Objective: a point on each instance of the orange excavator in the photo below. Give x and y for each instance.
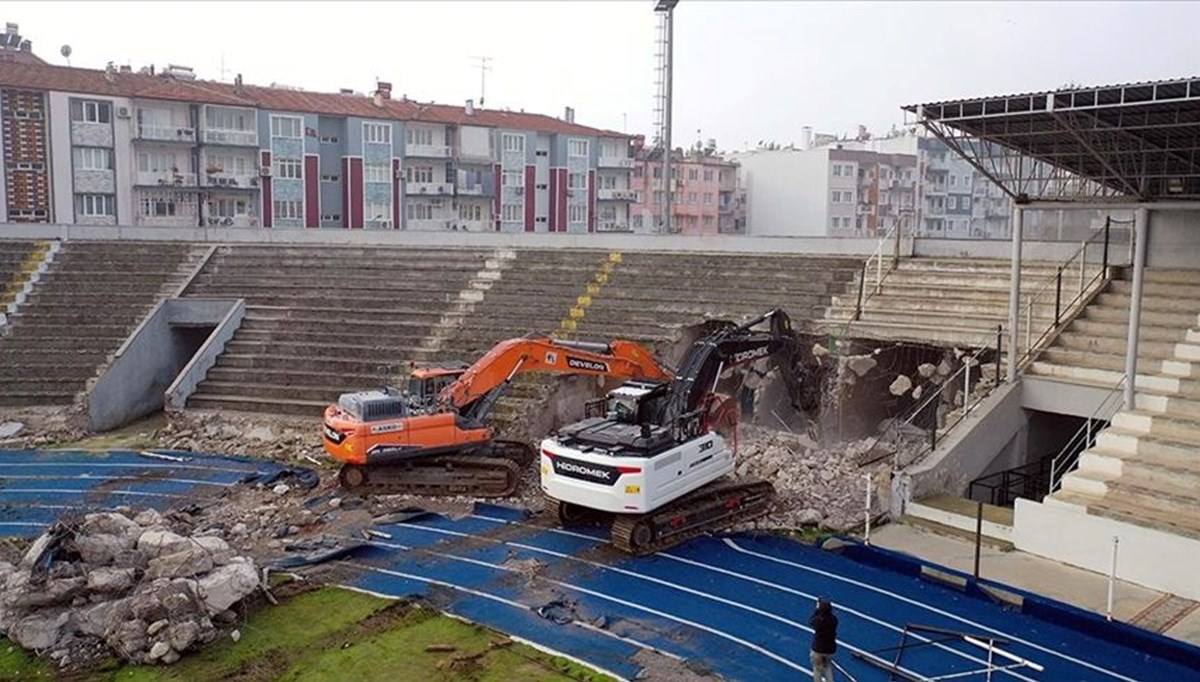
(436, 438)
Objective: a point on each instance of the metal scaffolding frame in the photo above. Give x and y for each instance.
(1136, 142)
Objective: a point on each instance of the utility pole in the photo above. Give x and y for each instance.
(667, 7)
(483, 69)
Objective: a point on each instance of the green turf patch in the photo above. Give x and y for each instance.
(16, 664)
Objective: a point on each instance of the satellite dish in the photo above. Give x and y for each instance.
(66, 51)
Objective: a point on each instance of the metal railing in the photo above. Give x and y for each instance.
(875, 264)
(927, 416)
(1089, 266)
(1068, 457)
(1003, 487)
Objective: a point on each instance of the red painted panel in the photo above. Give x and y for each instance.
(530, 182)
(268, 207)
(562, 199)
(396, 193)
(312, 191)
(496, 198)
(356, 193)
(591, 201)
(345, 191)
(553, 217)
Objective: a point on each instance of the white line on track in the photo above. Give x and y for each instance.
(932, 609)
(23, 524)
(53, 491)
(872, 588)
(126, 465)
(91, 477)
(616, 600)
(745, 607)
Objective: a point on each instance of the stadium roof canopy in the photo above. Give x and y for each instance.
(1136, 142)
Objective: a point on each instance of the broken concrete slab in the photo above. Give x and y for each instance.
(228, 584)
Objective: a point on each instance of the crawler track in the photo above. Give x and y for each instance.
(711, 508)
(495, 474)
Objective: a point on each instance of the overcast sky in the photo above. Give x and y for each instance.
(745, 71)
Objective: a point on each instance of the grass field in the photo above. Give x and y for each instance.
(334, 634)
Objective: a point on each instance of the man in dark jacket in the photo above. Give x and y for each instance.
(824, 643)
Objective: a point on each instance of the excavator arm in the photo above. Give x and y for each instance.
(475, 392)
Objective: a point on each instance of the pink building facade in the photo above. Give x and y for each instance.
(707, 197)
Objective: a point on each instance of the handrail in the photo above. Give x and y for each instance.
(969, 403)
(1088, 286)
(1064, 462)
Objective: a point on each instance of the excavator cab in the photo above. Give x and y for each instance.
(426, 383)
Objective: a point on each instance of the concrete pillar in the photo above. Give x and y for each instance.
(1141, 218)
(1014, 294)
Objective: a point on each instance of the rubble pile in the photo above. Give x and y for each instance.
(272, 436)
(125, 583)
(815, 486)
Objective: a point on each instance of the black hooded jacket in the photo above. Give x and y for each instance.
(824, 625)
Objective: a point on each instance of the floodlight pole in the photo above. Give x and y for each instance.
(668, 7)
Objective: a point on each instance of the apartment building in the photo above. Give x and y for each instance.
(166, 149)
(707, 197)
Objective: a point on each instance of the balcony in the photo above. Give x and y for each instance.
(429, 188)
(230, 137)
(478, 189)
(470, 225)
(232, 181)
(232, 221)
(428, 151)
(157, 133)
(612, 226)
(438, 224)
(164, 179)
(616, 195)
(614, 162)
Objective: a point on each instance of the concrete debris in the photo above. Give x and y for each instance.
(281, 489)
(900, 386)
(944, 368)
(235, 635)
(926, 369)
(11, 429)
(861, 364)
(819, 351)
(918, 392)
(138, 584)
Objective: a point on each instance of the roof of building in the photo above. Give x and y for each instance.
(40, 76)
(1136, 141)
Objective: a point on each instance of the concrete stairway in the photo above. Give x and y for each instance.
(1091, 350)
(81, 310)
(658, 294)
(324, 320)
(957, 301)
(17, 260)
(1145, 467)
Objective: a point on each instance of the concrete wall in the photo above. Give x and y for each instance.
(989, 439)
(1174, 239)
(147, 363)
(1148, 557)
(203, 360)
(787, 192)
(1061, 397)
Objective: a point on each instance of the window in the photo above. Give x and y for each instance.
(376, 172)
(657, 172)
(576, 181)
(837, 173)
(512, 179)
(708, 221)
(419, 173)
(708, 198)
(330, 178)
(331, 217)
(470, 212)
(378, 133)
(157, 207)
(837, 197)
(658, 197)
(286, 126)
(290, 169)
(93, 158)
(94, 205)
(953, 180)
(637, 222)
(377, 211)
(416, 211)
(226, 163)
(328, 139)
(512, 213)
(226, 119)
(289, 209)
(511, 142)
(638, 172)
(419, 136)
(227, 208)
(848, 196)
(708, 176)
(577, 213)
(157, 162)
(577, 147)
(691, 197)
(91, 111)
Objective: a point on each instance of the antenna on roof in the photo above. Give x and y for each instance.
(483, 69)
(65, 51)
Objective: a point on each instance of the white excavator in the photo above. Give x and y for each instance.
(652, 462)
